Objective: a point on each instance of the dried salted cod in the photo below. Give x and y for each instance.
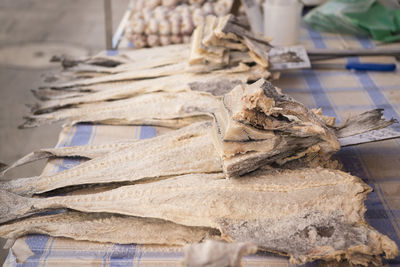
(140, 60)
(137, 58)
(167, 70)
(366, 121)
(173, 110)
(257, 125)
(105, 227)
(129, 75)
(213, 41)
(218, 254)
(307, 214)
(188, 150)
(215, 83)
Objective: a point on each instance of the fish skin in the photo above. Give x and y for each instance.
(188, 150)
(114, 228)
(252, 209)
(173, 110)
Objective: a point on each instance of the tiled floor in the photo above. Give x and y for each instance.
(78, 23)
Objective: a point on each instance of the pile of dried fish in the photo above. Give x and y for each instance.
(222, 55)
(174, 185)
(283, 194)
(220, 41)
(308, 214)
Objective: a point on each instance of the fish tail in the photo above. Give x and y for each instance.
(364, 122)
(3, 167)
(37, 155)
(13, 206)
(30, 122)
(20, 186)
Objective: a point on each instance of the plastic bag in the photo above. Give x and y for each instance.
(330, 17)
(356, 17)
(381, 22)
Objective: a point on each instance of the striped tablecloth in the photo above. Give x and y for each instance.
(338, 92)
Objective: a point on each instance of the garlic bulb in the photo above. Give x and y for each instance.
(164, 27)
(221, 9)
(153, 3)
(165, 40)
(170, 3)
(186, 25)
(184, 10)
(199, 2)
(153, 40)
(147, 14)
(138, 26)
(139, 40)
(176, 39)
(207, 9)
(186, 39)
(139, 5)
(152, 27)
(175, 21)
(136, 16)
(197, 17)
(160, 13)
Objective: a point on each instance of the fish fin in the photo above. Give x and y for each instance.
(13, 206)
(9, 243)
(39, 94)
(30, 122)
(3, 166)
(33, 156)
(364, 122)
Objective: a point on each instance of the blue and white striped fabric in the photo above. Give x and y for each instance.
(338, 92)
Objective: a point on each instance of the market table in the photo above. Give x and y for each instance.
(338, 92)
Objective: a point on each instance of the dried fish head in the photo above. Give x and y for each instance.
(257, 125)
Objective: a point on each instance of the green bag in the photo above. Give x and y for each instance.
(357, 17)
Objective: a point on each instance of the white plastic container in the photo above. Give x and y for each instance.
(282, 21)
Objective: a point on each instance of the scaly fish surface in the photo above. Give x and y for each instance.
(105, 227)
(308, 214)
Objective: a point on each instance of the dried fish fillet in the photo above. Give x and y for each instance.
(212, 82)
(308, 214)
(136, 58)
(173, 110)
(104, 227)
(214, 253)
(129, 75)
(185, 151)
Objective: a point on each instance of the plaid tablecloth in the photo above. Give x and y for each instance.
(338, 92)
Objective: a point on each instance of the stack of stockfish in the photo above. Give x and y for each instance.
(245, 170)
(144, 77)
